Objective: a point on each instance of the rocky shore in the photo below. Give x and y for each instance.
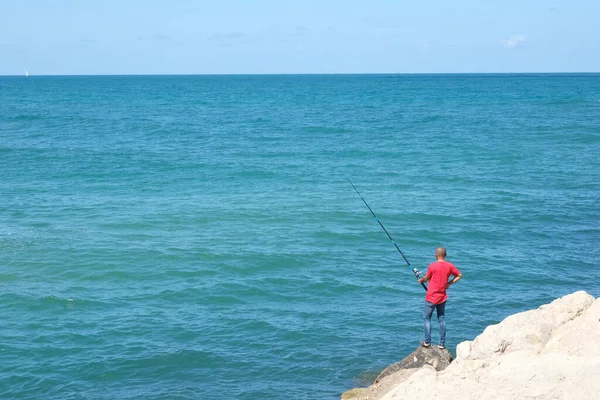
(552, 352)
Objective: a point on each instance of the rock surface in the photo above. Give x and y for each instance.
(549, 353)
(433, 356)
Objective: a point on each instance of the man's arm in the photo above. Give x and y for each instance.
(454, 280)
(424, 279)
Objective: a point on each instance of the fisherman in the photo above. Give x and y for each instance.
(437, 275)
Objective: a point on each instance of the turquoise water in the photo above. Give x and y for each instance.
(186, 237)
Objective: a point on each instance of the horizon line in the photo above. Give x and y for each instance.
(309, 73)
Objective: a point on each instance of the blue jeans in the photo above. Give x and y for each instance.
(441, 309)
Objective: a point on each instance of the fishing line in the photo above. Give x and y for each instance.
(413, 269)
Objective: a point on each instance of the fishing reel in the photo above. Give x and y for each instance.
(417, 273)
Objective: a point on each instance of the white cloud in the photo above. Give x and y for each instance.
(228, 36)
(514, 41)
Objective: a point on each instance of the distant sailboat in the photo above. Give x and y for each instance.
(26, 73)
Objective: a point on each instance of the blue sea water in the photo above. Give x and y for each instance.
(195, 237)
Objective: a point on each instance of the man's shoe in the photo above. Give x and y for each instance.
(441, 346)
(425, 344)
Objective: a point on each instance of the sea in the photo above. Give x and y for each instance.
(197, 237)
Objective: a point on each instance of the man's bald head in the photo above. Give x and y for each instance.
(440, 252)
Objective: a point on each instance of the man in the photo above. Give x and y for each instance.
(437, 276)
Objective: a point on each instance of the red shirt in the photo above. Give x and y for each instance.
(438, 274)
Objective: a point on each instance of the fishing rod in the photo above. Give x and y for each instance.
(413, 269)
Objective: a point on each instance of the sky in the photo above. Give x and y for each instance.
(72, 37)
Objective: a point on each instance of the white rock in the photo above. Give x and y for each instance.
(529, 330)
(552, 353)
